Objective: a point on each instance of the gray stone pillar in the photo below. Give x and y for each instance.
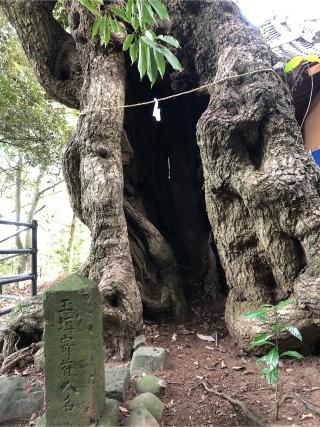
(73, 351)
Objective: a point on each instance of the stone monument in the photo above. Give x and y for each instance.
(73, 351)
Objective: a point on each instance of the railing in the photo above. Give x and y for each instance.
(12, 253)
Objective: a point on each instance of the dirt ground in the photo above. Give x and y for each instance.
(221, 366)
(225, 368)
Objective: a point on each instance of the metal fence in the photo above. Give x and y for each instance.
(12, 253)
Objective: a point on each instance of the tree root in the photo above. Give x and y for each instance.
(310, 406)
(24, 326)
(25, 354)
(246, 411)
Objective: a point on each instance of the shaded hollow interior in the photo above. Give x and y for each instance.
(167, 179)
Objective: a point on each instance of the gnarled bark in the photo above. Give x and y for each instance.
(50, 49)
(261, 186)
(93, 171)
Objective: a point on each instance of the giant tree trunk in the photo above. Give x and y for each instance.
(93, 171)
(138, 185)
(262, 187)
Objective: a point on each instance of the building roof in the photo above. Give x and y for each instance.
(289, 38)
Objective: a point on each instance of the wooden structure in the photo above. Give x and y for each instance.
(289, 39)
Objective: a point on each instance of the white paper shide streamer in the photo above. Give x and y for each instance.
(156, 110)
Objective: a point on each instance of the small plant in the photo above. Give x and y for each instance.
(269, 315)
(298, 60)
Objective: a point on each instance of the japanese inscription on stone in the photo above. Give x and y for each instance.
(74, 357)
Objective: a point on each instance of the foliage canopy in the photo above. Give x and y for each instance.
(30, 124)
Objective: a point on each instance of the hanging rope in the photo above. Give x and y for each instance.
(187, 92)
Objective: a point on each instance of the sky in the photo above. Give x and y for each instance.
(258, 11)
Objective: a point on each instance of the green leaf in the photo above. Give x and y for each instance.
(156, 46)
(273, 357)
(130, 9)
(142, 61)
(256, 314)
(134, 51)
(161, 65)
(312, 58)
(261, 339)
(160, 9)
(272, 375)
(140, 13)
(170, 40)
(294, 331)
(285, 303)
(292, 353)
(90, 6)
(121, 13)
(149, 35)
(261, 359)
(114, 25)
(152, 69)
(172, 59)
(293, 63)
(105, 31)
(134, 22)
(96, 27)
(127, 42)
(148, 12)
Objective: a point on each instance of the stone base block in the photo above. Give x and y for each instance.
(147, 360)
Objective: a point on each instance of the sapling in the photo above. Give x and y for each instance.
(269, 316)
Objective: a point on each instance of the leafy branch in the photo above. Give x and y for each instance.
(136, 19)
(269, 315)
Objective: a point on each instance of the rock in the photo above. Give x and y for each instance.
(74, 354)
(110, 416)
(141, 417)
(148, 360)
(117, 382)
(151, 384)
(38, 360)
(140, 341)
(19, 399)
(150, 402)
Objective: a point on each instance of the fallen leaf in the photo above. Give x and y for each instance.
(33, 416)
(304, 416)
(206, 338)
